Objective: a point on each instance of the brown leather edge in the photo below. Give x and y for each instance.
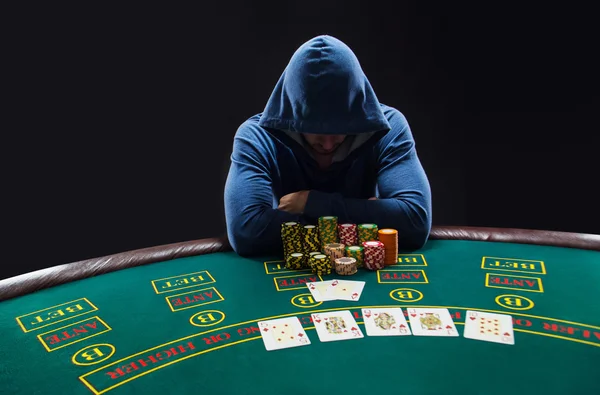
(50, 277)
(584, 241)
(45, 278)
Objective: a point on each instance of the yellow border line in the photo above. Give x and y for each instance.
(183, 275)
(402, 282)
(402, 255)
(95, 362)
(82, 377)
(94, 308)
(194, 305)
(487, 278)
(515, 259)
(285, 270)
(295, 275)
(70, 326)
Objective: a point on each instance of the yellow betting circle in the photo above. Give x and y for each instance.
(305, 306)
(206, 312)
(404, 300)
(531, 304)
(112, 348)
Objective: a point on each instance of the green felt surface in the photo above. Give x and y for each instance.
(557, 346)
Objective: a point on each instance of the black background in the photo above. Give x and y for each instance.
(125, 117)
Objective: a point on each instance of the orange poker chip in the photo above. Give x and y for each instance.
(389, 238)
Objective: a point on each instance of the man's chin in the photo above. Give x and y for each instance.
(324, 153)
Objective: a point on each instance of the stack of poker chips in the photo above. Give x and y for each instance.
(356, 252)
(328, 230)
(310, 255)
(320, 264)
(334, 251)
(389, 238)
(367, 232)
(291, 235)
(310, 239)
(374, 255)
(345, 266)
(347, 234)
(295, 261)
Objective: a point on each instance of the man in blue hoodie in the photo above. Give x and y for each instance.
(324, 146)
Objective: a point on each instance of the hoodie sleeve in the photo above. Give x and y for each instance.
(404, 201)
(253, 225)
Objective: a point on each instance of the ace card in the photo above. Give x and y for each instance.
(385, 322)
(497, 328)
(344, 290)
(283, 333)
(336, 325)
(431, 322)
(317, 290)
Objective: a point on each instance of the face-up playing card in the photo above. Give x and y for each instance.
(431, 322)
(283, 333)
(344, 290)
(318, 289)
(336, 325)
(385, 322)
(489, 327)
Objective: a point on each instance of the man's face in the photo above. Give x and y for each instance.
(324, 145)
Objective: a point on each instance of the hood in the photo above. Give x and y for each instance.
(323, 90)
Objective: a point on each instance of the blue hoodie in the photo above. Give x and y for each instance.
(323, 90)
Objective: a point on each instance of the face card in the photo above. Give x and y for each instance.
(431, 322)
(336, 325)
(344, 290)
(283, 333)
(497, 328)
(318, 289)
(385, 322)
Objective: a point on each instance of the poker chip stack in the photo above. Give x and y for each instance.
(291, 235)
(345, 266)
(327, 230)
(367, 232)
(389, 238)
(334, 251)
(295, 261)
(356, 252)
(320, 264)
(374, 255)
(310, 239)
(347, 234)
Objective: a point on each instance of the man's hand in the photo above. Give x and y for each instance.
(294, 202)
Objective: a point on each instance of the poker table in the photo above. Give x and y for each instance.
(182, 318)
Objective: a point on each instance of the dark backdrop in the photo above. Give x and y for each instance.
(126, 117)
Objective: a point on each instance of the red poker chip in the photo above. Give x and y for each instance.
(372, 244)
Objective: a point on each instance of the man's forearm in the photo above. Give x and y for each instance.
(411, 216)
(257, 232)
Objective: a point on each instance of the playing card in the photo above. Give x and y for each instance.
(318, 289)
(431, 322)
(489, 327)
(336, 325)
(385, 322)
(344, 290)
(283, 333)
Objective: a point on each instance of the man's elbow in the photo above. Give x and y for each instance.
(249, 244)
(418, 235)
(243, 246)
